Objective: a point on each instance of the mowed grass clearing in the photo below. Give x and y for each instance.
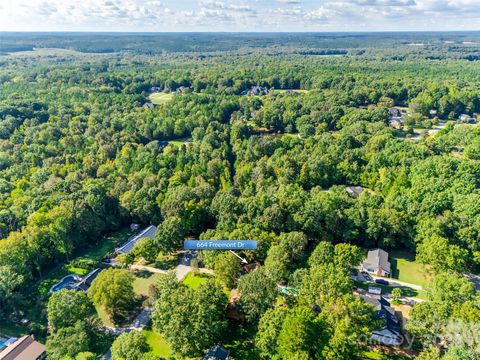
(406, 268)
(160, 98)
(143, 282)
(194, 281)
(158, 345)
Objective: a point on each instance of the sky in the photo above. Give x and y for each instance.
(239, 15)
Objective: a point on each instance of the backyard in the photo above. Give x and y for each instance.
(83, 262)
(406, 268)
(194, 281)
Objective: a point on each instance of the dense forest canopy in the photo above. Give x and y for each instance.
(81, 156)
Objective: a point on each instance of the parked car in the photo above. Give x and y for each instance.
(382, 282)
(366, 276)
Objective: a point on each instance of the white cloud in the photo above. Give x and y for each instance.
(238, 15)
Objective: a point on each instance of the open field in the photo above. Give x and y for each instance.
(160, 98)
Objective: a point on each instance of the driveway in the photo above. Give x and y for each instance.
(398, 283)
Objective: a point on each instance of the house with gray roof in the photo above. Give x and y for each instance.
(148, 232)
(377, 263)
(354, 191)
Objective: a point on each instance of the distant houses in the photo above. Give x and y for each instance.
(377, 263)
(394, 112)
(256, 91)
(390, 333)
(148, 105)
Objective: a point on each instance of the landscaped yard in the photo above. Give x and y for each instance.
(82, 262)
(405, 268)
(194, 281)
(158, 345)
(180, 142)
(86, 260)
(102, 314)
(406, 291)
(298, 91)
(160, 98)
(143, 281)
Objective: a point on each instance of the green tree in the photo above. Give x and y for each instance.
(146, 248)
(269, 329)
(190, 320)
(227, 268)
(112, 289)
(68, 341)
(131, 346)
(300, 334)
(170, 234)
(66, 307)
(257, 292)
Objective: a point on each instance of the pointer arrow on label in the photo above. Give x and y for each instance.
(244, 261)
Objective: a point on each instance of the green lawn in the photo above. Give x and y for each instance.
(158, 345)
(180, 142)
(406, 291)
(160, 98)
(297, 91)
(194, 281)
(142, 283)
(102, 314)
(405, 268)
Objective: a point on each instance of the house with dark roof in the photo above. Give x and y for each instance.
(394, 112)
(86, 282)
(148, 232)
(216, 352)
(390, 333)
(396, 122)
(148, 105)
(24, 348)
(377, 263)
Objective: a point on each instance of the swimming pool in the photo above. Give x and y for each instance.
(67, 282)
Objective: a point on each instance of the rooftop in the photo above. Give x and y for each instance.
(126, 248)
(378, 258)
(25, 348)
(216, 353)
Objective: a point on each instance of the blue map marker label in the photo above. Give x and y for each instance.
(220, 245)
